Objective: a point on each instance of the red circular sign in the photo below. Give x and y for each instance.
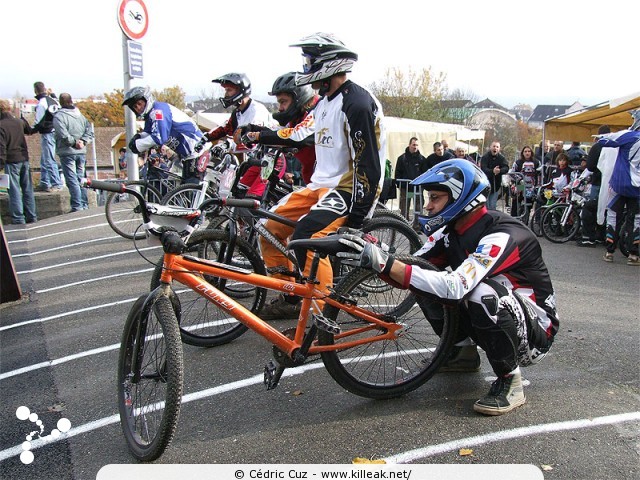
(133, 18)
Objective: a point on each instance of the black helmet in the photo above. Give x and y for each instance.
(137, 93)
(301, 96)
(325, 56)
(238, 79)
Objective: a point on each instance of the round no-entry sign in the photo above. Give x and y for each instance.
(133, 18)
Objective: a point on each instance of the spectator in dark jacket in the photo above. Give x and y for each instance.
(438, 155)
(494, 165)
(577, 155)
(14, 158)
(408, 166)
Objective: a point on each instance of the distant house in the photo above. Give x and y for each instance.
(486, 103)
(28, 106)
(544, 112)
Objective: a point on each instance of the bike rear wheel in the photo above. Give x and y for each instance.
(560, 225)
(202, 324)
(150, 378)
(123, 210)
(387, 368)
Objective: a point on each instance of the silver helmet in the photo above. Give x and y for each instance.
(324, 56)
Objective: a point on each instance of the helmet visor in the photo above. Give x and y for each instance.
(307, 63)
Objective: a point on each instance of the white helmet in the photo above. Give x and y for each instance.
(325, 56)
(137, 93)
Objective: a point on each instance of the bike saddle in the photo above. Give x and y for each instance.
(329, 245)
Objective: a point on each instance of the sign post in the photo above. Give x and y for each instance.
(133, 19)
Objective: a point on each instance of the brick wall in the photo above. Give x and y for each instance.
(104, 136)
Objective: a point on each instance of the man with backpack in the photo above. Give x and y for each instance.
(47, 106)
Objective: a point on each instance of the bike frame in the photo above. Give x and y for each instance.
(187, 270)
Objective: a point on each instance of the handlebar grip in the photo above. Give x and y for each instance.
(108, 186)
(242, 203)
(256, 162)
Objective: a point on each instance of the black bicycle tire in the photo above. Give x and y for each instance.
(152, 196)
(399, 225)
(165, 200)
(188, 330)
(547, 218)
(344, 371)
(153, 448)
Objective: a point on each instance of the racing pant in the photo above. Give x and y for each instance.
(317, 212)
(615, 220)
(502, 322)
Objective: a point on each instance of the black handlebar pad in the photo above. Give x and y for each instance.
(242, 203)
(108, 186)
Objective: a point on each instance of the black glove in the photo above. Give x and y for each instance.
(365, 254)
(200, 145)
(246, 140)
(132, 143)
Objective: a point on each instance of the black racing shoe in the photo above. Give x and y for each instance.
(584, 242)
(505, 394)
(280, 309)
(462, 359)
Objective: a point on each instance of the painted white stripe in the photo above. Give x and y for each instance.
(51, 363)
(84, 260)
(96, 279)
(59, 222)
(66, 314)
(69, 245)
(399, 458)
(56, 234)
(420, 453)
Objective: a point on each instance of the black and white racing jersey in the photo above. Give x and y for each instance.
(350, 147)
(491, 245)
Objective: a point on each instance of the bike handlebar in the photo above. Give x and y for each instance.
(108, 186)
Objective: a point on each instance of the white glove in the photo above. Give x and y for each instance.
(365, 254)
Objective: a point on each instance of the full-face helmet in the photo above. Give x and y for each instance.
(301, 96)
(465, 182)
(241, 81)
(324, 56)
(137, 93)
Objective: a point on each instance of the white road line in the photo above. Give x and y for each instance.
(84, 260)
(399, 458)
(48, 225)
(478, 440)
(59, 361)
(55, 234)
(96, 279)
(69, 245)
(66, 314)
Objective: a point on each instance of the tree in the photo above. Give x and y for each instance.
(107, 111)
(411, 94)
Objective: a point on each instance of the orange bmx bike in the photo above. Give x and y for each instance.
(374, 342)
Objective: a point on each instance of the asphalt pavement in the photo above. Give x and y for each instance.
(59, 348)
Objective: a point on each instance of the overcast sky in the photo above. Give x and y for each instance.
(536, 51)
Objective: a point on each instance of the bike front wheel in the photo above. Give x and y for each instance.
(150, 378)
(387, 368)
(124, 213)
(560, 223)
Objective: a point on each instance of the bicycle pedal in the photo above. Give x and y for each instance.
(325, 324)
(272, 373)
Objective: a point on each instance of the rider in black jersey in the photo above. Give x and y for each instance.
(498, 277)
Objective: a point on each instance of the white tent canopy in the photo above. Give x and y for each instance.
(209, 121)
(400, 130)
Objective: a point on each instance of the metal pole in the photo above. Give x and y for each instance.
(129, 117)
(93, 150)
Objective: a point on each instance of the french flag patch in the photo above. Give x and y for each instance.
(158, 115)
(488, 250)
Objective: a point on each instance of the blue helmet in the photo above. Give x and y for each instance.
(463, 180)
